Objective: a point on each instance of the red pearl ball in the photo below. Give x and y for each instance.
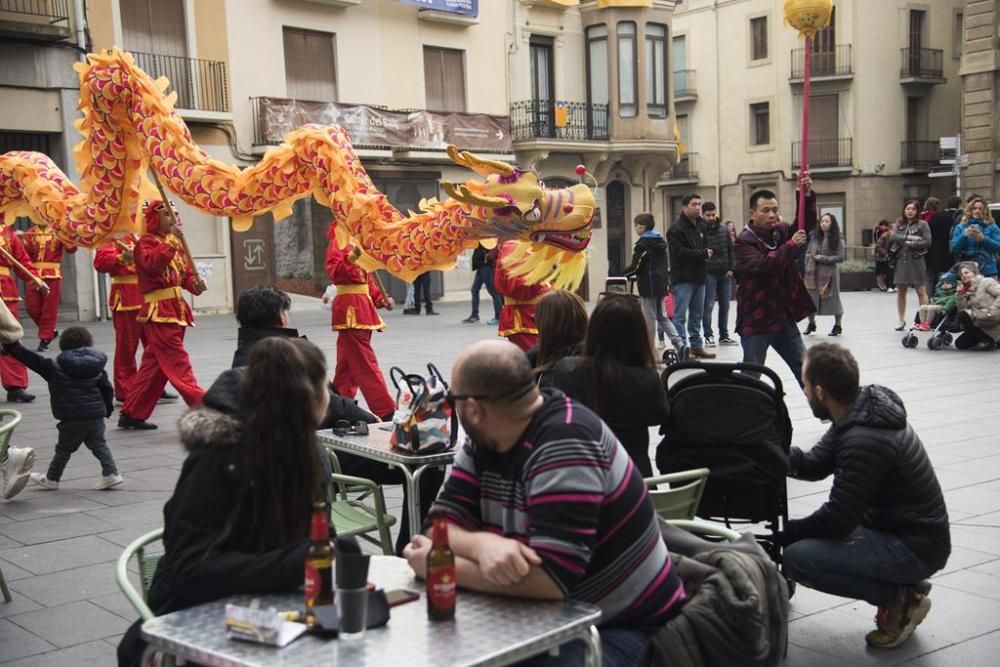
(580, 170)
(568, 208)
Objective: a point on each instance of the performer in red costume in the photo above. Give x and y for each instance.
(163, 271)
(118, 260)
(46, 251)
(354, 320)
(517, 318)
(12, 372)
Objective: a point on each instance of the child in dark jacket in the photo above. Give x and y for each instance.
(81, 397)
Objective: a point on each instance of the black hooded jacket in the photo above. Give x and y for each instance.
(882, 479)
(649, 264)
(79, 388)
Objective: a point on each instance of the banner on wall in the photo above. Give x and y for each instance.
(463, 7)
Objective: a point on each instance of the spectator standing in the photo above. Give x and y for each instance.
(689, 255)
(884, 529)
(977, 238)
(883, 268)
(562, 326)
(939, 255)
(422, 294)
(616, 376)
(911, 237)
(649, 269)
(824, 253)
(931, 206)
(978, 301)
(772, 298)
(482, 268)
(719, 276)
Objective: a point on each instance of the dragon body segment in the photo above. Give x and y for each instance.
(130, 126)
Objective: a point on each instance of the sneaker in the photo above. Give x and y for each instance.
(836, 330)
(14, 470)
(471, 319)
(411, 311)
(701, 353)
(726, 340)
(493, 322)
(38, 479)
(109, 481)
(683, 351)
(709, 341)
(432, 312)
(892, 290)
(131, 424)
(119, 401)
(923, 326)
(167, 397)
(43, 345)
(19, 396)
(895, 624)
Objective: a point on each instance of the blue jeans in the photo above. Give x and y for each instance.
(657, 321)
(484, 278)
(717, 288)
(72, 434)
(620, 647)
(689, 305)
(787, 343)
(866, 565)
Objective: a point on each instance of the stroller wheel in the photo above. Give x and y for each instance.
(669, 358)
(935, 343)
(910, 340)
(948, 338)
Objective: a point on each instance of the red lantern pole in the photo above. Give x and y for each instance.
(803, 157)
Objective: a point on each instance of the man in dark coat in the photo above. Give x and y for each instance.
(884, 529)
(649, 270)
(939, 257)
(689, 255)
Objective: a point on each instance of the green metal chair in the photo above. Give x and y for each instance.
(681, 499)
(705, 529)
(350, 515)
(9, 419)
(146, 564)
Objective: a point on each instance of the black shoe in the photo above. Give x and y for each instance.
(128, 423)
(167, 397)
(836, 330)
(411, 311)
(19, 396)
(433, 312)
(43, 345)
(810, 328)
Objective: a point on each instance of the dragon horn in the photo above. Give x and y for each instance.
(463, 194)
(481, 166)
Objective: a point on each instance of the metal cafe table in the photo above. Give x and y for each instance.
(487, 630)
(375, 446)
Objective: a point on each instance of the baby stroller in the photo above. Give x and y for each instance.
(731, 418)
(944, 325)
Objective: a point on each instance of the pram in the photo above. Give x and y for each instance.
(944, 326)
(731, 418)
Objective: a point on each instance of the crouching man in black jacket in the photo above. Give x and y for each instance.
(884, 529)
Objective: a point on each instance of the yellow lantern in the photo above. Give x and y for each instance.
(808, 16)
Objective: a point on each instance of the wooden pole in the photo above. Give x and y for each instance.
(804, 155)
(38, 281)
(173, 219)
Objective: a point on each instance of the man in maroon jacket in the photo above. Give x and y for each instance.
(772, 298)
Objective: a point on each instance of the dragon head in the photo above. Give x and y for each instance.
(514, 204)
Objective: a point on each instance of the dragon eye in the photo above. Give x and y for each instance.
(534, 214)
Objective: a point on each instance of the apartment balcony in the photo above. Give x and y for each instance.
(562, 121)
(832, 65)
(922, 66)
(685, 171)
(46, 20)
(685, 86)
(202, 86)
(919, 155)
(828, 155)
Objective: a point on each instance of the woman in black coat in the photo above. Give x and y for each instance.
(616, 376)
(561, 317)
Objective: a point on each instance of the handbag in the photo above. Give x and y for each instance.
(424, 422)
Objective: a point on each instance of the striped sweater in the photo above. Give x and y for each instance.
(570, 491)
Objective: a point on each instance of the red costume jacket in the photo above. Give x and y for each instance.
(163, 271)
(519, 298)
(10, 242)
(46, 251)
(357, 294)
(109, 258)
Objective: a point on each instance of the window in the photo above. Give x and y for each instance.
(310, 68)
(154, 26)
(542, 88)
(760, 124)
(597, 64)
(958, 35)
(444, 79)
(758, 38)
(628, 94)
(656, 70)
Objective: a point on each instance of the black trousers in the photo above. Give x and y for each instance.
(972, 335)
(72, 434)
(422, 291)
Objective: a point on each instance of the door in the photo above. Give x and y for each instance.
(681, 83)
(542, 87)
(156, 34)
(916, 41)
(617, 237)
(253, 255)
(824, 57)
(824, 131)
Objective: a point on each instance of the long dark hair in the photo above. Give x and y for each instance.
(617, 338)
(833, 236)
(281, 472)
(562, 325)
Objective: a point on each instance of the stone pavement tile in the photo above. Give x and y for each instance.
(962, 558)
(118, 605)
(982, 651)
(18, 605)
(971, 580)
(56, 588)
(130, 515)
(951, 479)
(71, 624)
(973, 537)
(56, 528)
(807, 601)
(989, 520)
(12, 572)
(92, 653)
(7, 543)
(36, 503)
(123, 495)
(62, 554)
(16, 642)
(126, 536)
(799, 655)
(973, 499)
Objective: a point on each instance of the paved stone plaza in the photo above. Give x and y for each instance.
(57, 549)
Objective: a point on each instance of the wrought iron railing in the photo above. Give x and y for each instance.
(56, 11)
(202, 85)
(543, 119)
(922, 64)
(825, 153)
(685, 84)
(919, 154)
(835, 62)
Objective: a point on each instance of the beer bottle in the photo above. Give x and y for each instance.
(441, 584)
(319, 563)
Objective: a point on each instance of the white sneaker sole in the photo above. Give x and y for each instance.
(19, 483)
(104, 486)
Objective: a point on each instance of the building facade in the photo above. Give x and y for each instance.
(885, 89)
(980, 93)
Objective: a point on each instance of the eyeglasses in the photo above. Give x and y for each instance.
(344, 427)
(452, 399)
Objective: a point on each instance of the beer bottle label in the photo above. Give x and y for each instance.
(318, 580)
(441, 587)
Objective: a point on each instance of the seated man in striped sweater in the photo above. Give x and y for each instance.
(543, 502)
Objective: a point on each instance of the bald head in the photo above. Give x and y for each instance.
(494, 368)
